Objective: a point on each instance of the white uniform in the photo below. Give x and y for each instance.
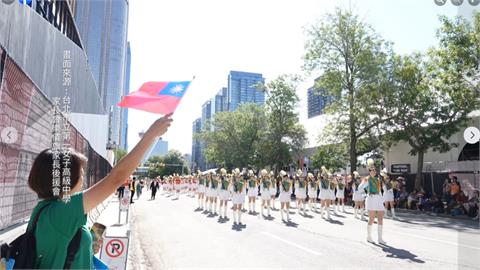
(312, 191)
(285, 195)
(238, 197)
(266, 195)
(224, 194)
(388, 194)
(325, 192)
(374, 202)
(214, 190)
(300, 192)
(252, 191)
(201, 187)
(340, 192)
(358, 194)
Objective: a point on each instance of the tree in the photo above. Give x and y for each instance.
(434, 93)
(231, 138)
(284, 138)
(332, 156)
(351, 58)
(169, 164)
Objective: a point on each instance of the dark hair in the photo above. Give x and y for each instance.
(41, 174)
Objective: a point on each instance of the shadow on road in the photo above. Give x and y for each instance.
(198, 210)
(270, 218)
(397, 253)
(334, 221)
(238, 227)
(427, 219)
(290, 224)
(222, 220)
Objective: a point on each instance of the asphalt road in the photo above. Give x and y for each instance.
(171, 234)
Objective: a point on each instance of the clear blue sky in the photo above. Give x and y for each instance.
(175, 40)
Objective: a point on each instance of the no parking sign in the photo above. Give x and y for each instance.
(115, 252)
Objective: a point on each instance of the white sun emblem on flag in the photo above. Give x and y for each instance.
(177, 89)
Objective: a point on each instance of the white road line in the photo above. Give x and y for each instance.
(436, 240)
(293, 244)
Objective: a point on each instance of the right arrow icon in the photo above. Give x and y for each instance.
(471, 135)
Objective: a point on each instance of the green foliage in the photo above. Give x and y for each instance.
(352, 60)
(169, 164)
(332, 156)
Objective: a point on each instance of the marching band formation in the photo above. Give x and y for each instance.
(214, 190)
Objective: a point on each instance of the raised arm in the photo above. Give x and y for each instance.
(124, 168)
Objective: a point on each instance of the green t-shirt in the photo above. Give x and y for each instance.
(56, 227)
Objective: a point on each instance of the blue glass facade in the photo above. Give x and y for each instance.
(317, 101)
(241, 89)
(103, 29)
(197, 159)
(126, 90)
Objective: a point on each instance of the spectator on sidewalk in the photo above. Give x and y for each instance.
(402, 198)
(132, 187)
(436, 204)
(138, 188)
(412, 199)
(121, 191)
(471, 206)
(60, 221)
(446, 190)
(154, 186)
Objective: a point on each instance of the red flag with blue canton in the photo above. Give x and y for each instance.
(156, 97)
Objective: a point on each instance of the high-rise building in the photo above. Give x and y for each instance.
(242, 89)
(103, 29)
(124, 111)
(206, 112)
(317, 101)
(196, 146)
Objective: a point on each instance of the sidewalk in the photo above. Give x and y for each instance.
(430, 213)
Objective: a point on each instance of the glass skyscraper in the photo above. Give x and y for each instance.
(103, 30)
(317, 101)
(197, 160)
(124, 111)
(241, 89)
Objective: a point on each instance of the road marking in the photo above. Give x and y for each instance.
(436, 240)
(293, 244)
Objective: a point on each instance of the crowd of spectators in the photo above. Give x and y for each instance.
(453, 200)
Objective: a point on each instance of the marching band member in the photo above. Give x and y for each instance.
(194, 185)
(238, 198)
(273, 189)
(331, 190)
(388, 193)
(285, 194)
(214, 186)
(265, 185)
(201, 190)
(325, 195)
(312, 191)
(208, 191)
(252, 191)
(224, 193)
(301, 191)
(340, 193)
(374, 201)
(358, 197)
(178, 185)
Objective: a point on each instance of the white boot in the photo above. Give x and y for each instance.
(369, 234)
(386, 212)
(235, 216)
(254, 210)
(362, 214)
(380, 235)
(216, 208)
(268, 210)
(304, 210)
(393, 213)
(239, 217)
(310, 206)
(288, 214)
(328, 212)
(355, 211)
(343, 208)
(321, 211)
(298, 208)
(225, 210)
(261, 211)
(335, 209)
(281, 213)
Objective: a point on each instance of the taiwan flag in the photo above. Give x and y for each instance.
(156, 97)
